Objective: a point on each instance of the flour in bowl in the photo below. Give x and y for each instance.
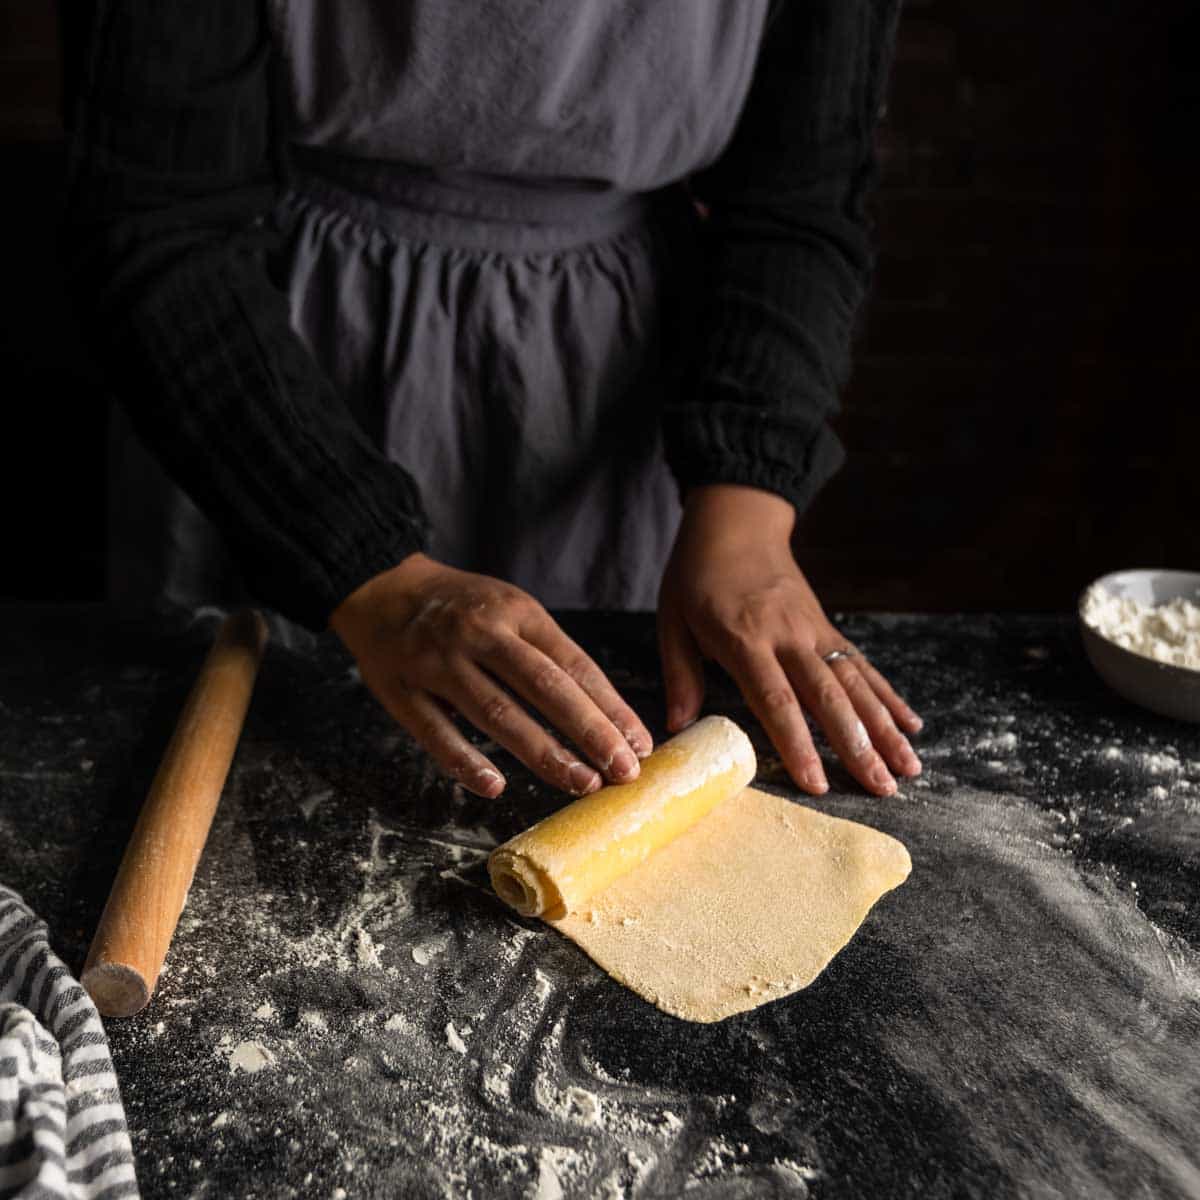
(1169, 633)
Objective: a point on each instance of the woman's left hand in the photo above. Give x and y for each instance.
(733, 592)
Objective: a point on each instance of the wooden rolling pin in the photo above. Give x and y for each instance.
(156, 871)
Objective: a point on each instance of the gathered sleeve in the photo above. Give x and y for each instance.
(175, 161)
(785, 255)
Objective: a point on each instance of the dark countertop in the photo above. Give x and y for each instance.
(1022, 1017)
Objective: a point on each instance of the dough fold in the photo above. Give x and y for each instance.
(557, 865)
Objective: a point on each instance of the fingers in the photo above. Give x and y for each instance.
(482, 645)
(557, 694)
(490, 708)
(903, 715)
(440, 738)
(773, 701)
(544, 634)
(887, 739)
(826, 699)
(683, 672)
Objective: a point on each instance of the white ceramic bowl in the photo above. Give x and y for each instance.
(1161, 687)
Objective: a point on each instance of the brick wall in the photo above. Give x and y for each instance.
(1023, 414)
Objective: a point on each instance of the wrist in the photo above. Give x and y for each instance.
(407, 574)
(735, 511)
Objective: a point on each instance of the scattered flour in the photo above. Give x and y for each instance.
(549, 1186)
(1168, 633)
(573, 1105)
(1160, 764)
(462, 1151)
(314, 1020)
(584, 1105)
(427, 950)
(497, 1081)
(365, 950)
(797, 1176)
(1152, 762)
(484, 836)
(454, 1040)
(561, 1172)
(715, 1157)
(484, 1124)
(310, 805)
(250, 1057)
(1000, 743)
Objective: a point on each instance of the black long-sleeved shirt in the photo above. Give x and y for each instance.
(176, 157)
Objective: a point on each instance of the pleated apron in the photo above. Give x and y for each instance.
(477, 247)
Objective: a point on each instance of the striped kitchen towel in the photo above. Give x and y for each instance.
(62, 1125)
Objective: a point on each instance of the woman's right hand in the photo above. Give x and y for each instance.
(431, 641)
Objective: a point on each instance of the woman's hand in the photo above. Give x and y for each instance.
(431, 641)
(732, 592)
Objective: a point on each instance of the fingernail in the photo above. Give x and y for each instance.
(638, 743)
(916, 722)
(814, 781)
(582, 778)
(624, 766)
(882, 779)
(490, 783)
(909, 760)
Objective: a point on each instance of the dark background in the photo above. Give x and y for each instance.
(1024, 410)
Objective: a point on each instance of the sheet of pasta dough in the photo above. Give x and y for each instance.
(747, 905)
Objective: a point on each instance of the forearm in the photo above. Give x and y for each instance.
(785, 257)
(227, 396)
(172, 174)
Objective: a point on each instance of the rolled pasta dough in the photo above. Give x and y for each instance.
(704, 896)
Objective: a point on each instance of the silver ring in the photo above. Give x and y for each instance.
(834, 655)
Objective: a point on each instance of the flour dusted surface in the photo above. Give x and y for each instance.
(1052, 883)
